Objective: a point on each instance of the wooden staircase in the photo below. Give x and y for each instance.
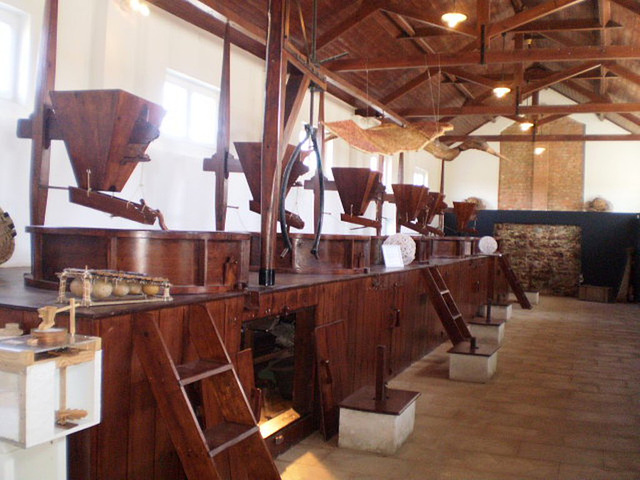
(445, 306)
(220, 440)
(514, 283)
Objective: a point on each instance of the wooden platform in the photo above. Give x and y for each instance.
(131, 441)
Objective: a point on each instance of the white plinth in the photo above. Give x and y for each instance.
(476, 366)
(375, 432)
(47, 461)
(498, 312)
(378, 427)
(492, 333)
(533, 297)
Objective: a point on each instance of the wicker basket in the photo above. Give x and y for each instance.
(7, 236)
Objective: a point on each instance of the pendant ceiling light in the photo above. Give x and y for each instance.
(502, 89)
(453, 17)
(526, 125)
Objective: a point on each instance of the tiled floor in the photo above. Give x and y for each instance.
(564, 404)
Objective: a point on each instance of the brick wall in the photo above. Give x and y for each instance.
(545, 258)
(553, 180)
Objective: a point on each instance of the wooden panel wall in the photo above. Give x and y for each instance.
(388, 309)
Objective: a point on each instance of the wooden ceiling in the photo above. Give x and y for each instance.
(398, 57)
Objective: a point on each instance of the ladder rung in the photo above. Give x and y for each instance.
(198, 370)
(226, 435)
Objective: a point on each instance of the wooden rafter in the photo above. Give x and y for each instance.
(542, 138)
(494, 110)
(426, 16)
(571, 54)
(624, 72)
(631, 5)
(529, 15)
(364, 10)
(570, 24)
(415, 82)
(558, 77)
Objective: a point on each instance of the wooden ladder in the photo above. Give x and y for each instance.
(224, 441)
(445, 306)
(514, 283)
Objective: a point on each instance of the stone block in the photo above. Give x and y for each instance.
(473, 365)
(498, 311)
(378, 427)
(491, 333)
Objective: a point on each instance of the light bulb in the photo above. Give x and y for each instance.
(539, 150)
(525, 125)
(501, 91)
(453, 18)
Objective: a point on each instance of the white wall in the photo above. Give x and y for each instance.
(100, 46)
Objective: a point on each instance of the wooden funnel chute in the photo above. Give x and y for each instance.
(357, 188)
(249, 154)
(416, 207)
(465, 213)
(106, 133)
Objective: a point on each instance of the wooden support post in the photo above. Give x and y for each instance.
(271, 164)
(40, 141)
(316, 179)
(381, 361)
(223, 140)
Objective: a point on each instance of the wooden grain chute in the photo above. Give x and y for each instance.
(416, 207)
(465, 213)
(249, 154)
(357, 188)
(106, 133)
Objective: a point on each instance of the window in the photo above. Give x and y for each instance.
(421, 177)
(192, 109)
(13, 25)
(311, 161)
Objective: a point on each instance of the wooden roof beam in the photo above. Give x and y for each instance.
(631, 5)
(506, 110)
(423, 46)
(571, 25)
(471, 77)
(559, 77)
(623, 72)
(529, 15)
(366, 9)
(426, 16)
(415, 82)
(543, 138)
(567, 54)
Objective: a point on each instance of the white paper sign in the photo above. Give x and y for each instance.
(392, 256)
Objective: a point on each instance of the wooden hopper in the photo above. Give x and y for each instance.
(106, 133)
(357, 187)
(249, 154)
(435, 206)
(465, 212)
(413, 208)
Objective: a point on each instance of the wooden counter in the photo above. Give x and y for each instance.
(383, 307)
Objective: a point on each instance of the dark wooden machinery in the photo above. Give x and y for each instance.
(106, 133)
(465, 213)
(357, 188)
(249, 154)
(416, 208)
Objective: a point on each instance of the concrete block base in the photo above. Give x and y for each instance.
(533, 297)
(498, 312)
(377, 428)
(491, 333)
(477, 366)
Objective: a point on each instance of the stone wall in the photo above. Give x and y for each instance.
(553, 180)
(545, 258)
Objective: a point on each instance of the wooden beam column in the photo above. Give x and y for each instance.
(40, 141)
(271, 165)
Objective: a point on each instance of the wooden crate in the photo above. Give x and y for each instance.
(593, 293)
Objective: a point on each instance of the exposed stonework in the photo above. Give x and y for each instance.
(553, 180)
(545, 257)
